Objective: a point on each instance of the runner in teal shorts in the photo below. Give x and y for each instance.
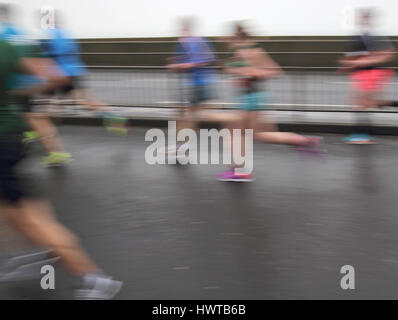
(251, 66)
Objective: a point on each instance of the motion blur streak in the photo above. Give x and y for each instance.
(120, 140)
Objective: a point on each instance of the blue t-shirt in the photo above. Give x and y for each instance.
(10, 33)
(196, 50)
(65, 51)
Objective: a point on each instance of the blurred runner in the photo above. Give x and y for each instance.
(193, 60)
(65, 51)
(32, 217)
(367, 63)
(42, 126)
(250, 66)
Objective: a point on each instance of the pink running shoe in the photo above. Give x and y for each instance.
(313, 147)
(232, 177)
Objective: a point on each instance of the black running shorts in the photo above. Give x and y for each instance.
(11, 153)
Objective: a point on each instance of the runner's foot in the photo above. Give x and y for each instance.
(57, 159)
(115, 124)
(30, 136)
(232, 177)
(361, 138)
(97, 287)
(314, 146)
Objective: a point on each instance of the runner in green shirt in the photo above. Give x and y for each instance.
(32, 217)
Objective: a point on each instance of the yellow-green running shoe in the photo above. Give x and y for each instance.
(117, 130)
(115, 124)
(30, 136)
(57, 159)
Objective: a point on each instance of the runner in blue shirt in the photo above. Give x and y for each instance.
(193, 59)
(65, 51)
(43, 127)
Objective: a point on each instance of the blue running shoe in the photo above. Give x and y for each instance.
(359, 138)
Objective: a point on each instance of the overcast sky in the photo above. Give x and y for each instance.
(157, 18)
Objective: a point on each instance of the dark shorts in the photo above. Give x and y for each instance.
(197, 95)
(78, 82)
(75, 83)
(24, 101)
(12, 151)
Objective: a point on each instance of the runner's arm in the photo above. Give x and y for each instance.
(375, 58)
(266, 64)
(43, 68)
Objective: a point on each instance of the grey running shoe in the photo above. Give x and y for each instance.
(97, 287)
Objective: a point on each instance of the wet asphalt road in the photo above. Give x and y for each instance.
(174, 232)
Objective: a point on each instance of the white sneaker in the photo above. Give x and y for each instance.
(98, 287)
